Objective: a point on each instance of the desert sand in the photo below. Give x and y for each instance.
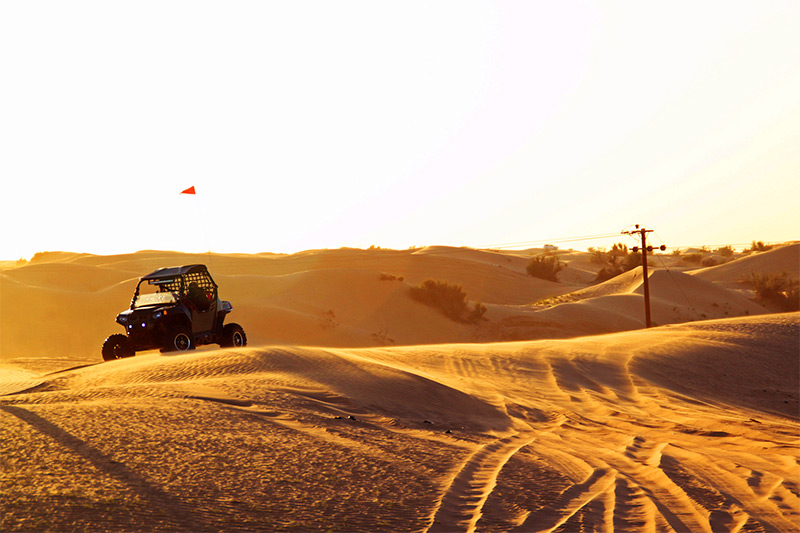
(356, 408)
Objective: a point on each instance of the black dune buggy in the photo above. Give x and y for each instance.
(174, 309)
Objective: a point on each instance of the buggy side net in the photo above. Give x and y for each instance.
(202, 280)
(200, 289)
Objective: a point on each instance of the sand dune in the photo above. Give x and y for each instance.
(689, 427)
(63, 304)
(675, 297)
(781, 259)
(357, 408)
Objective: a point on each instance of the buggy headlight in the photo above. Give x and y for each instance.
(158, 314)
(122, 319)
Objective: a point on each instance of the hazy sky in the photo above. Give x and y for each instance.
(327, 124)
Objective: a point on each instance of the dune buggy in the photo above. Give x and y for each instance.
(174, 309)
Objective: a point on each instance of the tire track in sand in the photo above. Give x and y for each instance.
(461, 505)
(572, 500)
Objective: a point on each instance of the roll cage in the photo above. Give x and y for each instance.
(192, 281)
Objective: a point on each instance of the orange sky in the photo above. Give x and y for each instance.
(314, 124)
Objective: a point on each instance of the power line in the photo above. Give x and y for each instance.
(559, 240)
(549, 241)
(669, 272)
(721, 245)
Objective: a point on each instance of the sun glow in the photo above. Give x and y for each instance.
(310, 125)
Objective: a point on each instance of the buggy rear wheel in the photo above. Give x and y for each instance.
(117, 346)
(233, 336)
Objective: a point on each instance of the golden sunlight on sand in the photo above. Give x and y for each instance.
(355, 407)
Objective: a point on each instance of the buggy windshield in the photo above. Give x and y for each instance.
(157, 292)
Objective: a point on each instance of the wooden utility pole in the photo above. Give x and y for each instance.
(645, 249)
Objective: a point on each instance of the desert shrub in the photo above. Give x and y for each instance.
(390, 277)
(779, 289)
(449, 299)
(631, 261)
(477, 313)
(598, 255)
(692, 258)
(676, 252)
(608, 272)
(382, 336)
(759, 247)
(725, 251)
(545, 267)
(619, 250)
(709, 261)
(328, 319)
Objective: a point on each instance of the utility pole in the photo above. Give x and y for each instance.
(645, 249)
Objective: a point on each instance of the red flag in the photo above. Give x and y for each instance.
(190, 190)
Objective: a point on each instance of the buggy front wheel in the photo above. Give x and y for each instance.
(117, 346)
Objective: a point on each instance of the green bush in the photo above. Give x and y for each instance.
(779, 289)
(545, 267)
(449, 299)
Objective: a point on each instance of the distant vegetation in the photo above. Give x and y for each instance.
(545, 267)
(759, 247)
(778, 289)
(619, 250)
(449, 299)
(725, 251)
(608, 272)
(619, 259)
(597, 255)
(601, 256)
(616, 261)
(328, 319)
